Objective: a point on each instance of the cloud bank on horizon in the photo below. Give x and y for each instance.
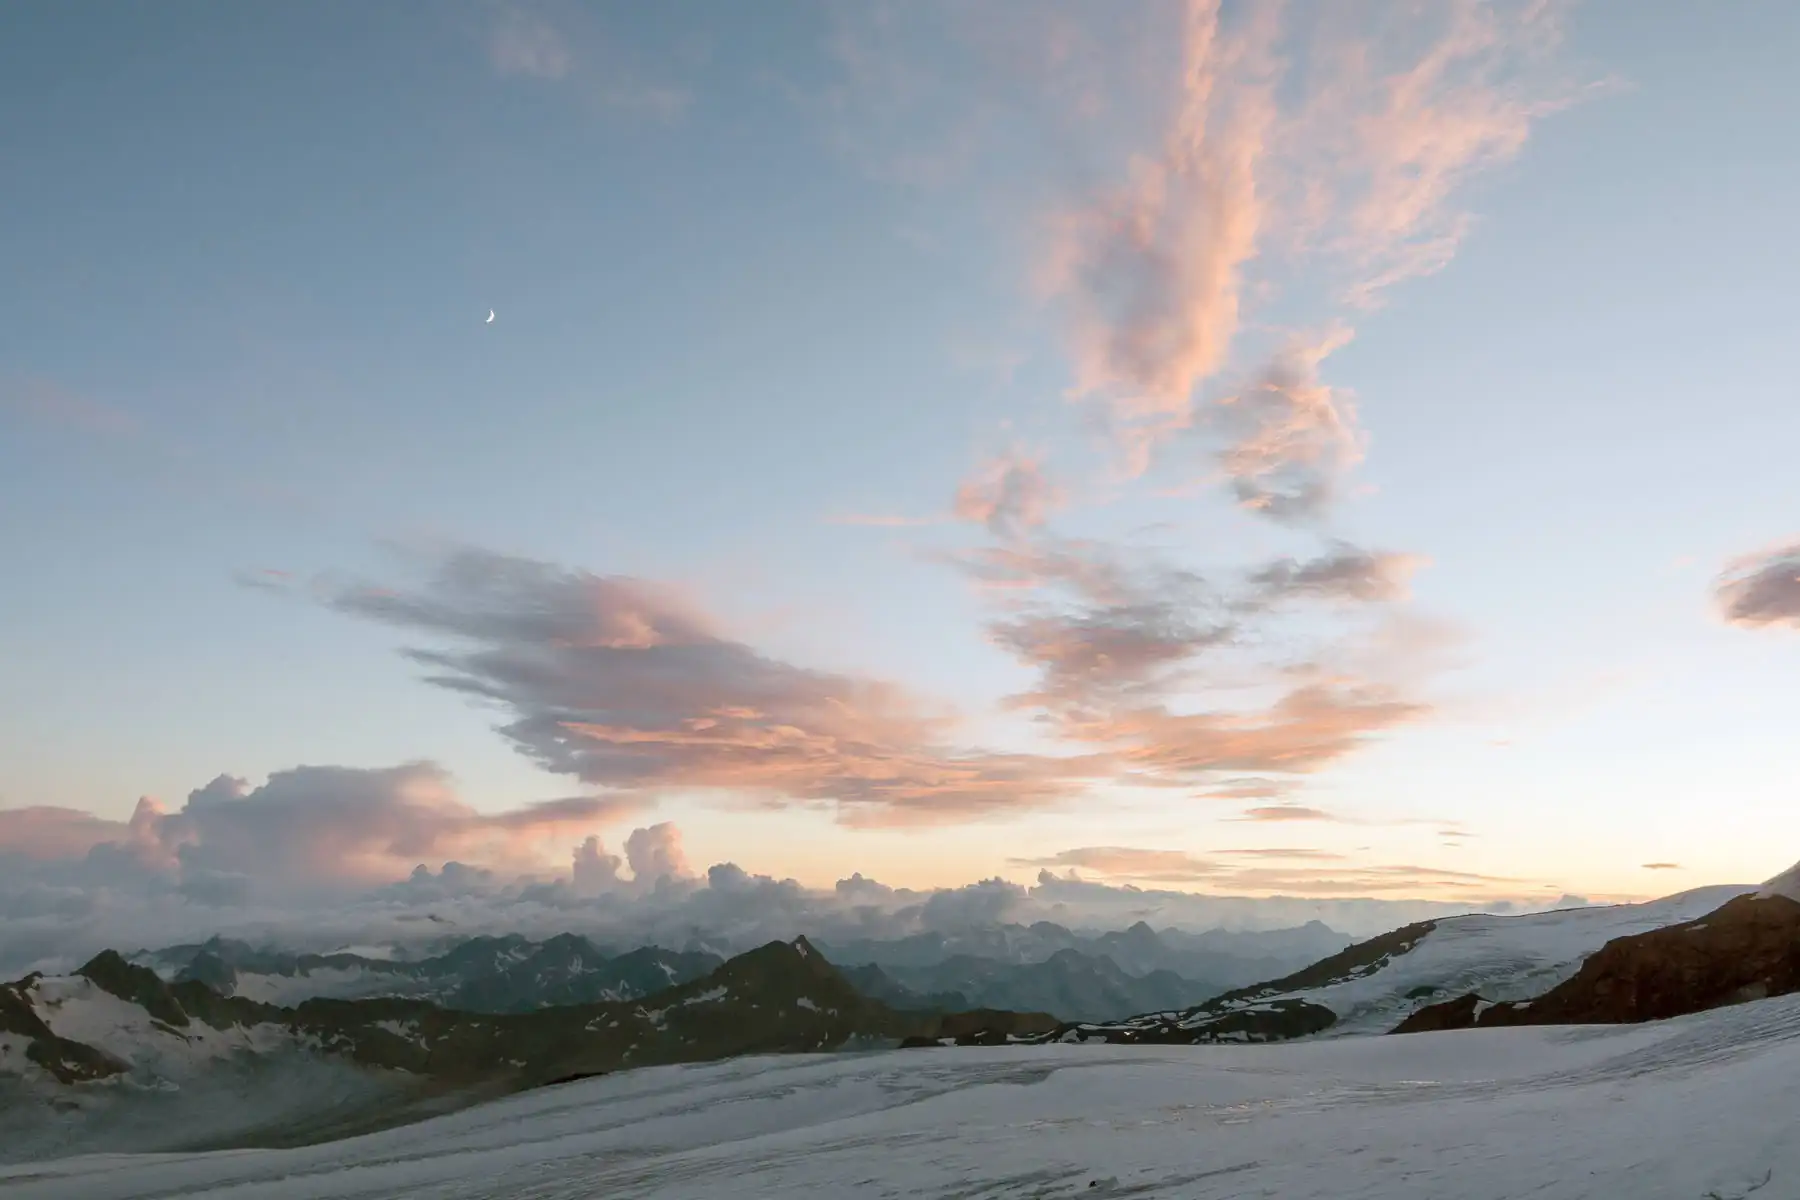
(319, 857)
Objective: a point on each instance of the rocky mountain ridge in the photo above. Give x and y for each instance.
(1042, 967)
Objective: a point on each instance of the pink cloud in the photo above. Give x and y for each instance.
(623, 684)
(313, 827)
(1152, 269)
(1286, 812)
(47, 832)
(1009, 494)
(1173, 866)
(1762, 590)
(1316, 153)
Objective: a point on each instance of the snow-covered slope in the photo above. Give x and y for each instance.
(1503, 958)
(161, 1085)
(1556, 1114)
(1372, 986)
(1785, 884)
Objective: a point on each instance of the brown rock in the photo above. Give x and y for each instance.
(1449, 1014)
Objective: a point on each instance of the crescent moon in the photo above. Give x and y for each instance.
(490, 319)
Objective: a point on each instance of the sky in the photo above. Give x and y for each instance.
(1248, 449)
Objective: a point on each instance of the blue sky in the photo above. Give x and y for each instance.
(756, 271)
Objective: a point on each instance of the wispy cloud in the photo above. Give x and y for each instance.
(523, 43)
(1320, 149)
(1761, 590)
(1345, 573)
(1010, 494)
(1271, 813)
(882, 521)
(1662, 866)
(564, 45)
(48, 404)
(1172, 866)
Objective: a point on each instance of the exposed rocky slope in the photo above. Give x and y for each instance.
(1748, 949)
(115, 1034)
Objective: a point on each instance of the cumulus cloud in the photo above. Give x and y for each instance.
(594, 870)
(58, 913)
(47, 832)
(1762, 590)
(623, 684)
(654, 853)
(306, 829)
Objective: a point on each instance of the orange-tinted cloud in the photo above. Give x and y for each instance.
(47, 832)
(1124, 862)
(1319, 149)
(623, 684)
(1286, 812)
(1762, 590)
(1312, 725)
(311, 827)
(1403, 112)
(1152, 269)
(1174, 866)
(1009, 494)
(1662, 866)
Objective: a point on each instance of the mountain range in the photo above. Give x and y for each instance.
(121, 1056)
(1042, 967)
(81, 1056)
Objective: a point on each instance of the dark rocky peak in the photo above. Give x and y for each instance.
(109, 972)
(210, 969)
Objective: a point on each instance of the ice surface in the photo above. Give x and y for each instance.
(1680, 1110)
